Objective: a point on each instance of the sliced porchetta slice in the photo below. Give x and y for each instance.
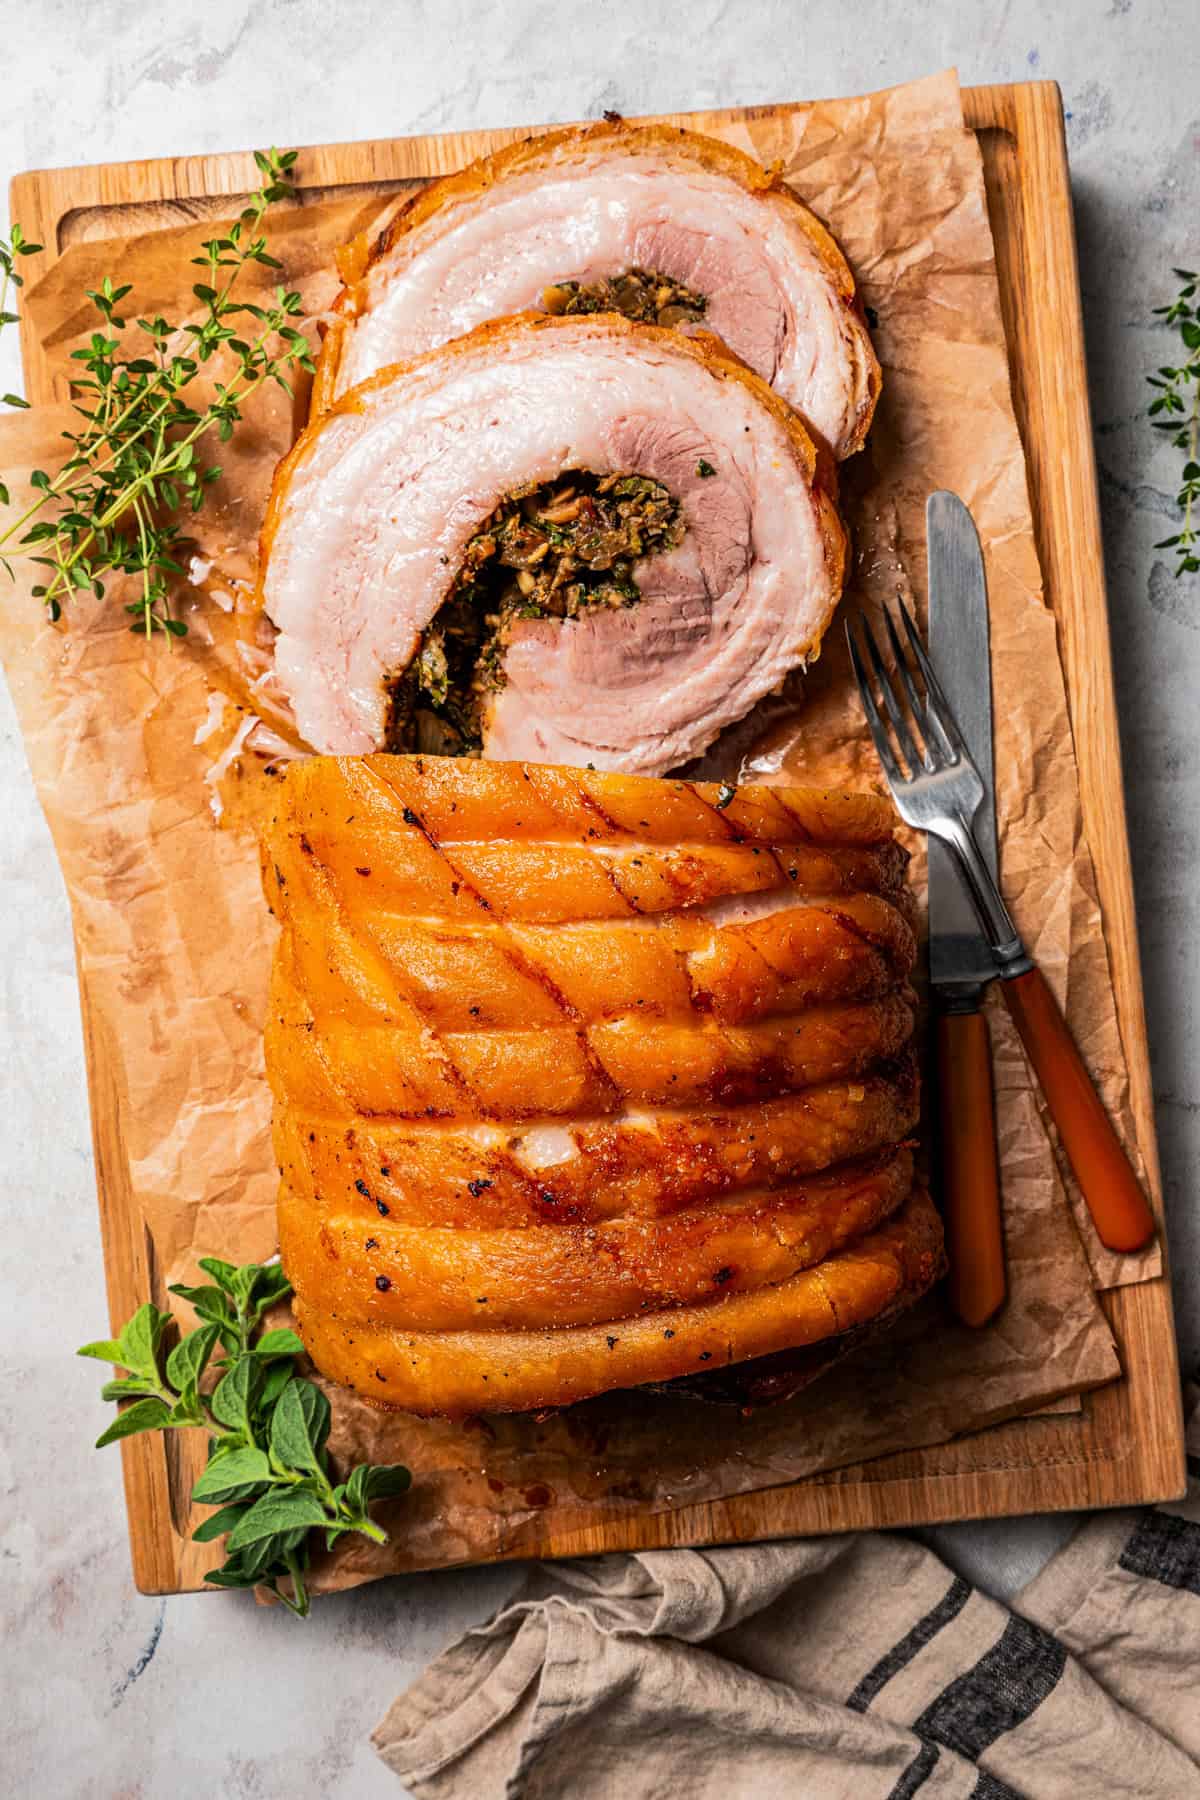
(373, 511)
(581, 207)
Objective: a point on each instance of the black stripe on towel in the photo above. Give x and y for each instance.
(922, 1766)
(947, 1608)
(1004, 1688)
(988, 1787)
(917, 1773)
(1167, 1549)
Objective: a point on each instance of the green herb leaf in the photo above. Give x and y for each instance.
(187, 1410)
(316, 1412)
(189, 1359)
(291, 1432)
(234, 1474)
(275, 1379)
(387, 1480)
(126, 1387)
(233, 1397)
(270, 1286)
(354, 1493)
(209, 1302)
(140, 1341)
(217, 1524)
(104, 1350)
(289, 1510)
(281, 1342)
(230, 1577)
(241, 1284)
(143, 1415)
(267, 1557)
(223, 1273)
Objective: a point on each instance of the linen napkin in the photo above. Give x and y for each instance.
(840, 1668)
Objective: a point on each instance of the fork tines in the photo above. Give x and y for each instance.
(937, 742)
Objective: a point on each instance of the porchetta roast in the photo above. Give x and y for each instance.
(651, 221)
(585, 1081)
(576, 540)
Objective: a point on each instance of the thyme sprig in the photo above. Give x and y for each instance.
(1176, 411)
(268, 1470)
(137, 462)
(11, 248)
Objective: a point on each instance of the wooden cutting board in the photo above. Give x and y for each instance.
(1126, 1446)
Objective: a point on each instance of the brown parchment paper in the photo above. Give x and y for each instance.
(148, 784)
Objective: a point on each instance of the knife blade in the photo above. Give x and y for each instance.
(960, 958)
(960, 648)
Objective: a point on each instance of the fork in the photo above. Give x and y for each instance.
(937, 789)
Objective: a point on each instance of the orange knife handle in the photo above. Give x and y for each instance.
(970, 1177)
(1105, 1175)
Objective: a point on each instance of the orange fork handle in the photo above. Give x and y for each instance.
(1105, 1175)
(970, 1177)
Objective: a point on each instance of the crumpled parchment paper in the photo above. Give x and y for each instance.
(141, 762)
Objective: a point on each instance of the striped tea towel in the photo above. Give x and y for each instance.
(851, 1668)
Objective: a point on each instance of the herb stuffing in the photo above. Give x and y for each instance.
(268, 1471)
(644, 295)
(553, 550)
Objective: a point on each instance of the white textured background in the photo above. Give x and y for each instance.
(108, 1694)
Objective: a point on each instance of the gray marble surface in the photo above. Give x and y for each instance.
(111, 1694)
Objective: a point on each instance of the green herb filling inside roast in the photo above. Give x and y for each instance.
(552, 550)
(646, 295)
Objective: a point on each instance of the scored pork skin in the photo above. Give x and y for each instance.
(545, 1164)
(464, 1372)
(588, 203)
(372, 511)
(582, 1274)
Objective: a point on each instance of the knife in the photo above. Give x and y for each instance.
(960, 960)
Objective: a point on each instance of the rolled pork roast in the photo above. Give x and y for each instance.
(585, 1081)
(581, 1080)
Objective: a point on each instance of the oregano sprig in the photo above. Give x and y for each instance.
(268, 1469)
(137, 465)
(1175, 409)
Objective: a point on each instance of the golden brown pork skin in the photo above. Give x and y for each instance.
(458, 1373)
(541, 1134)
